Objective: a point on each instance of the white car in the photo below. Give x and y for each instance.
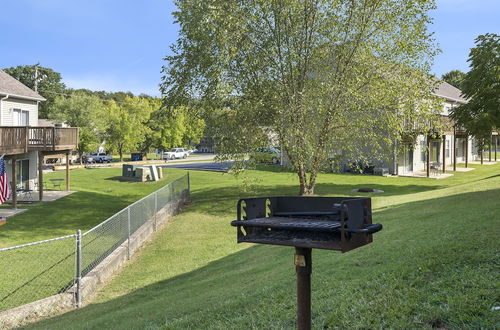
(98, 157)
(175, 153)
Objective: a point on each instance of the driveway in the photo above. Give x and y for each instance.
(205, 166)
(195, 156)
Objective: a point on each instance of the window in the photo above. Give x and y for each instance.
(20, 117)
(423, 151)
(447, 148)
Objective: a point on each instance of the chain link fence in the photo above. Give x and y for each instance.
(34, 271)
(38, 270)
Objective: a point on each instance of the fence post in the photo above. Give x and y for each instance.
(189, 184)
(128, 243)
(156, 210)
(171, 185)
(78, 268)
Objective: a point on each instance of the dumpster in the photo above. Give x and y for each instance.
(137, 156)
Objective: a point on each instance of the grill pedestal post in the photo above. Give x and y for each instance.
(303, 269)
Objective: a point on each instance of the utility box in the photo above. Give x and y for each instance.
(128, 171)
(382, 171)
(143, 174)
(154, 173)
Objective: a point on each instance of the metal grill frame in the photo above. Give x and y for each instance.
(354, 216)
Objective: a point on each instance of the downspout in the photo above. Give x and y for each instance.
(3, 98)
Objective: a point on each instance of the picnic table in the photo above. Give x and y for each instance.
(56, 183)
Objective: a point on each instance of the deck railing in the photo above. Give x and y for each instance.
(20, 139)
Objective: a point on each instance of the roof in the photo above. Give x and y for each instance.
(46, 122)
(13, 87)
(449, 92)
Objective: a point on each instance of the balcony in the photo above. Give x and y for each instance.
(21, 139)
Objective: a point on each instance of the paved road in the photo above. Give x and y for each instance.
(196, 156)
(208, 166)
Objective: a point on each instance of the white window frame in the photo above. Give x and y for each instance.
(18, 113)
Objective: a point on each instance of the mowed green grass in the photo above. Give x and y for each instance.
(100, 194)
(435, 264)
(35, 272)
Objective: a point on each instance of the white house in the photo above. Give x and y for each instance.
(431, 153)
(23, 143)
(435, 153)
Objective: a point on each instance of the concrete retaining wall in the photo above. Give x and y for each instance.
(95, 279)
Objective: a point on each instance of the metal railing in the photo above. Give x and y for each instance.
(34, 271)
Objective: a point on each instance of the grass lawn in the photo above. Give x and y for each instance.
(100, 194)
(435, 264)
(36, 272)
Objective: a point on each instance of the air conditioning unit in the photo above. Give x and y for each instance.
(382, 171)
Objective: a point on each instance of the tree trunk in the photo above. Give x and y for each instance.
(306, 188)
(302, 180)
(312, 183)
(120, 151)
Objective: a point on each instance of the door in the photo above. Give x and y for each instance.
(409, 158)
(406, 159)
(435, 151)
(22, 173)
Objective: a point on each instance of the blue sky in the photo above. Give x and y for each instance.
(119, 44)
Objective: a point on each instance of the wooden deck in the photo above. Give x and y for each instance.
(21, 139)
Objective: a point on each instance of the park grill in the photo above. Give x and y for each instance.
(331, 223)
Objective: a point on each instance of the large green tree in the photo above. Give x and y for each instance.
(174, 127)
(85, 111)
(49, 84)
(319, 76)
(126, 124)
(454, 78)
(481, 86)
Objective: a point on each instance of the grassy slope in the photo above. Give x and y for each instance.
(99, 195)
(435, 264)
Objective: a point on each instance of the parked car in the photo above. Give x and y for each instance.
(266, 155)
(175, 153)
(97, 157)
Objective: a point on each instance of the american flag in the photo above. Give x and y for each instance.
(4, 185)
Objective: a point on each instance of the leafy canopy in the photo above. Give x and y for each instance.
(481, 86)
(50, 84)
(174, 127)
(126, 123)
(321, 78)
(454, 78)
(83, 111)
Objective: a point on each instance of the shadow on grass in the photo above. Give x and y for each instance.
(122, 179)
(386, 283)
(222, 200)
(489, 177)
(80, 210)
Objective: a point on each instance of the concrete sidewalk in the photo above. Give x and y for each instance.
(48, 196)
